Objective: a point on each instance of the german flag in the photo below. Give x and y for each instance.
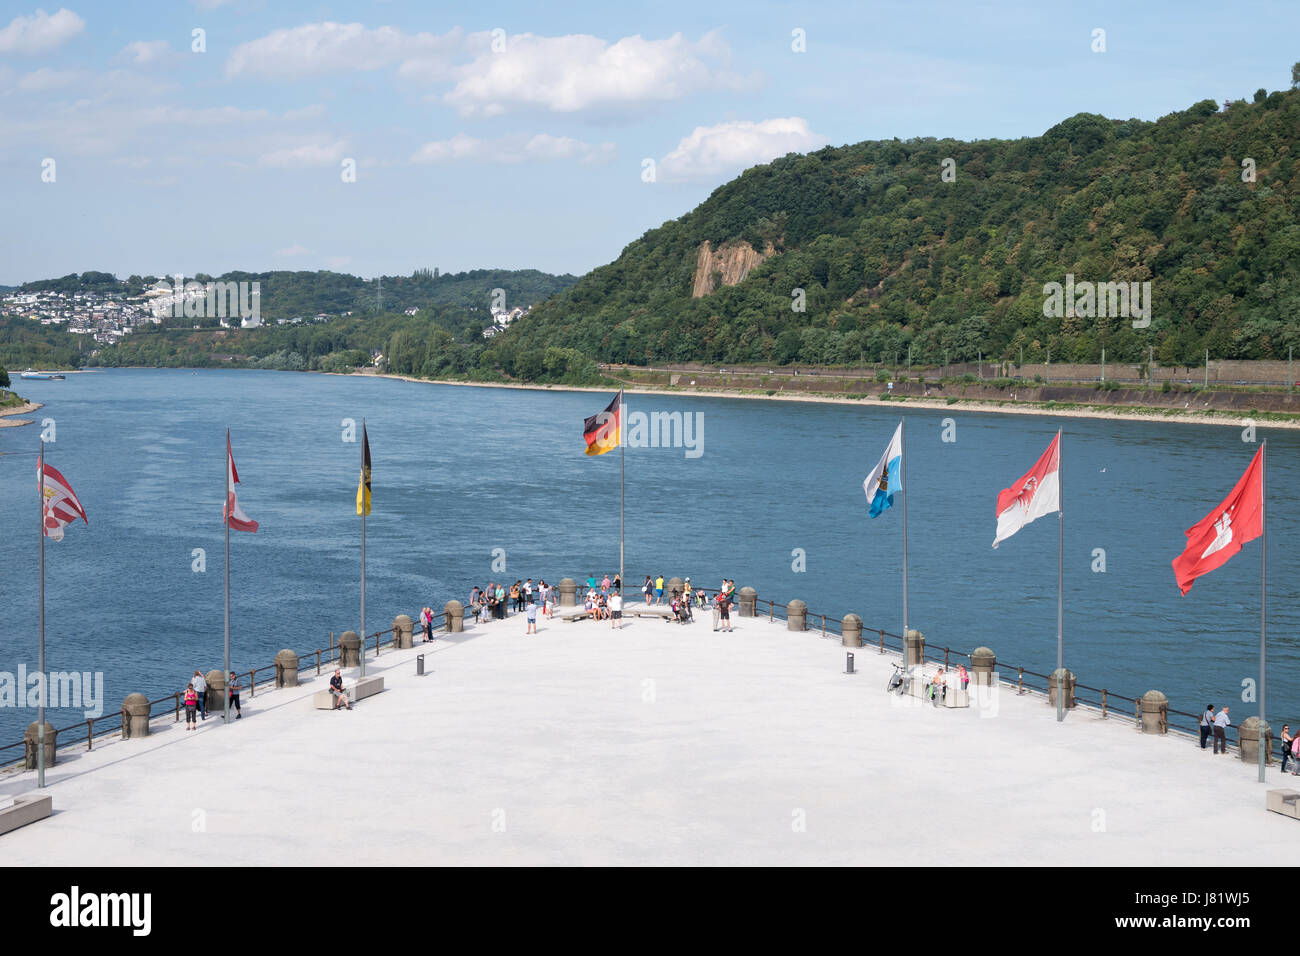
(604, 432)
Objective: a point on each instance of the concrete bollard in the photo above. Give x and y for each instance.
(673, 586)
(914, 642)
(403, 631)
(796, 616)
(746, 602)
(983, 662)
(1063, 678)
(851, 631)
(216, 692)
(286, 669)
(1248, 741)
(349, 649)
(1154, 708)
(453, 615)
(135, 716)
(30, 744)
(568, 592)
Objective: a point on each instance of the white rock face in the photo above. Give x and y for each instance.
(656, 744)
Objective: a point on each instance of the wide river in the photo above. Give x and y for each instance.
(465, 477)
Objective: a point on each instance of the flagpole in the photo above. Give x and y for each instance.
(363, 547)
(902, 482)
(1263, 595)
(40, 653)
(1060, 589)
(622, 490)
(225, 710)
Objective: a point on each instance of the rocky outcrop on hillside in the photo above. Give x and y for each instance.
(729, 265)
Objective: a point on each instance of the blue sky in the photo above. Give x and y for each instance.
(516, 135)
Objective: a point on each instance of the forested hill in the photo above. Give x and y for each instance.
(286, 295)
(1204, 204)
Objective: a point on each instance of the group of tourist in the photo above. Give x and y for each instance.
(195, 697)
(937, 689)
(1216, 724)
(495, 601)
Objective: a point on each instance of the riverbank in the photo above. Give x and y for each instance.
(1129, 413)
(6, 414)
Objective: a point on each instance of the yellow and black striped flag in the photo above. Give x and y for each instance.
(363, 486)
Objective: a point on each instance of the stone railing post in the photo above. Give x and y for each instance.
(135, 716)
(983, 662)
(796, 616)
(673, 586)
(30, 744)
(1153, 708)
(1248, 740)
(1061, 679)
(216, 692)
(747, 602)
(568, 592)
(349, 649)
(851, 631)
(403, 631)
(286, 669)
(453, 615)
(914, 643)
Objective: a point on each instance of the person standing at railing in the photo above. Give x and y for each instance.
(647, 588)
(501, 602)
(191, 704)
(1286, 745)
(1207, 724)
(426, 618)
(963, 676)
(201, 688)
(1221, 725)
(234, 695)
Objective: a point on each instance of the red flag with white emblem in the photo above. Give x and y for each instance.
(61, 504)
(1221, 533)
(1036, 493)
(231, 513)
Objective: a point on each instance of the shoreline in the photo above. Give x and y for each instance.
(965, 405)
(5, 415)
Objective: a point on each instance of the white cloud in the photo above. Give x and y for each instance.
(145, 52)
(578, 72)
(513, 149)
(47, 79)
(40, 31)
(316, 48)
(727, 148)
(291, 251)
(305, 154)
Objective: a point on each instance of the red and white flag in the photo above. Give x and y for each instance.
(1221, 533)
(61, 504)
(1036, 493)
(231, 513)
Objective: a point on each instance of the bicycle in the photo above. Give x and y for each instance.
(898, 680)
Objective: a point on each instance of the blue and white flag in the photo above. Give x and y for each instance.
(886, 478)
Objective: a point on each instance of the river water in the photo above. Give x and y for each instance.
(464, 477)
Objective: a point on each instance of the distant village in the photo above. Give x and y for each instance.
(108, 316)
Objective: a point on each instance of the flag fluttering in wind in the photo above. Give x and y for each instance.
(363, 486)
(1221, 533)
(604, 431)
(886, 478)
(61, 504)
(1036, 493)
(231, 513)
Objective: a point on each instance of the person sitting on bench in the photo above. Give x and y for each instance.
(336, 691)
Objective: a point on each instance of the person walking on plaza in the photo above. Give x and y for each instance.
(234, 695)
(1221, 725)
(201, 688)
(191, 704)
(532, 617)
(724, 611)
(1207, 724)
(659, 588)
(616, 611)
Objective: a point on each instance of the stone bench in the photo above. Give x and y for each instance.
(664, 613)
(17, 812)
(1285, 802)
(358, 690)
(577, 615)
